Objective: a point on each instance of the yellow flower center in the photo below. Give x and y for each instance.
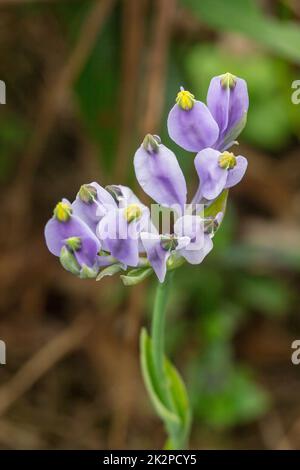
(227, 161)
(132, 212)
(62, 211)
(228, 80)
(185, 99)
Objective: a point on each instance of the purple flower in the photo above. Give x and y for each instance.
(119, 230)
(195, 126)
(190, 123)
(200, 244)
(67, 231)
(92, 203)
(159, 174)
(189, 241)
(218, 171)
(228, 102)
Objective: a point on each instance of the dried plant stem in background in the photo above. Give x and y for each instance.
(55, 350)
(157, 65)
(54, 94)
(133, 32)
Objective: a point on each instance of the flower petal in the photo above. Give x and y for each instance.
(229, 105)
(236, 174)
(120, 237)
(191, 226)
(212, 177)
(157, 256)
(193, 129)
(87, 254)
(159, 174)
(57, 232)
(91, 212)
(194, 254)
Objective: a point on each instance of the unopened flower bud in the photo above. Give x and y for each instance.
(168, 242)
(151, 143)
(228, 80)
(62, 211)
(73, 243)
(68, 261)
(115, 191)
(211, 225)
(87, 193)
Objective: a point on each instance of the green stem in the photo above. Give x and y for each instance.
(158, 349)
(158, 325)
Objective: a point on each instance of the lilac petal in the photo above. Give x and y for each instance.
(195, 255)
(212, 177)
(120, 237)
(57, 232)
(92, 212)
(157, 256)
(159, 174)
(191, 226)
(87, 254)
(229, 106)
(193, 129)
(236, 174)
(182, 242)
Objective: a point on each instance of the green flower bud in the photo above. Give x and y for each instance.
(228, 80)
(115, 191)
(168, 242)
(73, 243)
(87, 193)
(151, 143)
(68, 261)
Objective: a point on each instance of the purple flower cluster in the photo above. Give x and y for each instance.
(106, 230)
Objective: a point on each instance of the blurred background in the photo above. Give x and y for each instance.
(85, 81)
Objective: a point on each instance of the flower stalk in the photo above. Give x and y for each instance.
(166, 381)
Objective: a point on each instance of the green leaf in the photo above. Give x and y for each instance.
(175, 413)
(135, 276)
(219, 205)
(179, 397)
(245, 17)
(169, 417)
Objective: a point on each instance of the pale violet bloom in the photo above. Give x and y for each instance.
(195, 126)
(191, 124)
(159, 174)
(228, 102)
(189, 241)
(110, 226)
(67, 231)
(92, 203)
(218, 171)
(119, 230)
